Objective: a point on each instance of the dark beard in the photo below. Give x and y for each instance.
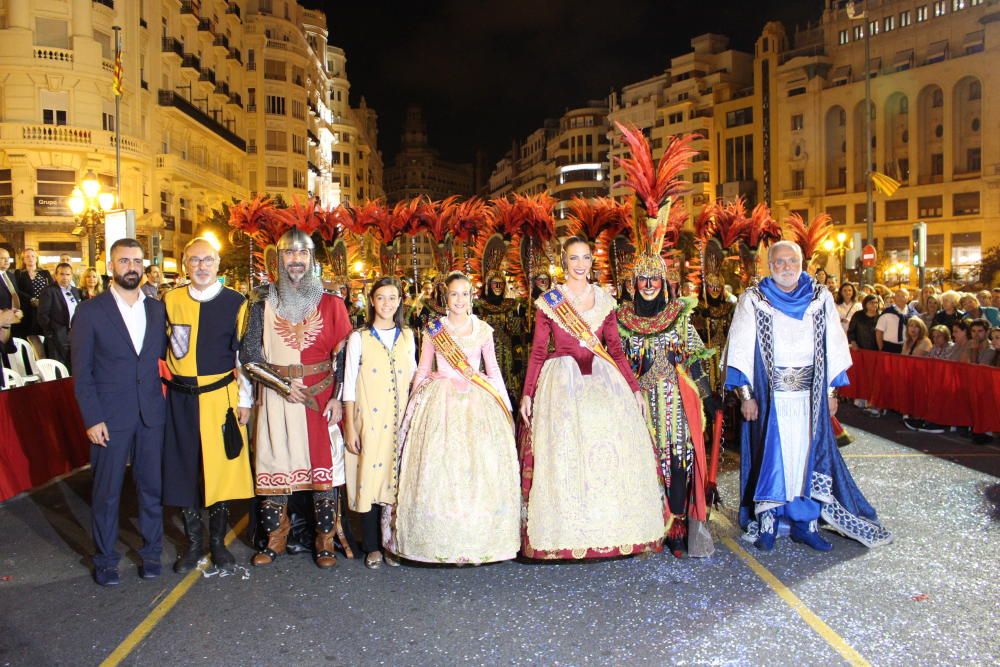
(128, 281)
(645, 308)
(492, 298)
(295, 301)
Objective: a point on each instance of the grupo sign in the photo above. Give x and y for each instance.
(46, 205)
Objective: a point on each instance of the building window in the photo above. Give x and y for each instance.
(797, 122)
(675, 118)
(277, 140)
(873, 28)
(298, 109)
(930, 207)
(739, 158)
(837, 213)
(897, 209)
(6, 193)
(921, 14)
(974, 159)
(277, 177)
(937, 164)
(937, 98)
(861, 214)
(975, 91)
(275, 105)
(700, 177)
(889, 24)
(966, 252)
(940, 8)
(843, 37)
(739, 117)
(298, 144)
(904, 19)
(859, 32)
(298, 179)
(798, 179)
(965, 203)
(958, 5)
(164, 202)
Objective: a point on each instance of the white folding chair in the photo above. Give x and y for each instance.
(50, 369)
(12, 379)
(24, 361)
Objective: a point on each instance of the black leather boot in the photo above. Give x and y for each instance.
(218, 526)
(188, 559)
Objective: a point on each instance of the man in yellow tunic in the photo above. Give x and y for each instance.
(205, 458)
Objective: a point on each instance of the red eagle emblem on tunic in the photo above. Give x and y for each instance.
(301, 335)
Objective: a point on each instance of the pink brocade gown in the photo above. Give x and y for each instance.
(458, 499)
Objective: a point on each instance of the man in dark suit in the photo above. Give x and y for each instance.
(10, 313)
(118, 337)
(56, 308)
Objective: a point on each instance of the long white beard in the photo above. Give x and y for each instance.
(292, 301)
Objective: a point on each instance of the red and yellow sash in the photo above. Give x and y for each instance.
(455, 356)
(571, 321)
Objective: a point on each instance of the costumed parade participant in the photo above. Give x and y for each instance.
(590, 486)
(206, 462)
(715, 314)
(379, 366)
(457, 496)
(666, 353)
(508, 318)
(791, 471)
(289, 349)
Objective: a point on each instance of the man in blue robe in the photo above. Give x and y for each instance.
(786, 355)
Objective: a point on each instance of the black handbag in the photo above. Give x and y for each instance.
(232, 438)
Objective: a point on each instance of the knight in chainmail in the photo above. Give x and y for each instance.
(786, 354)
(669, 359)
(293, 338)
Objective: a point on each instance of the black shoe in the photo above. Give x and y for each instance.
(913, 424)
(981, 439)
(188, 559)
(218, 526)
(929, 427)
(107, 576)
(150, 569)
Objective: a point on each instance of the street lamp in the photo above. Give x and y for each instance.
(89, 204)
(839, 245)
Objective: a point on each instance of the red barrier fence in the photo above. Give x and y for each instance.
(943, 392)
(41, 435)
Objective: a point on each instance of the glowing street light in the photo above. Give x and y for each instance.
(89, 204)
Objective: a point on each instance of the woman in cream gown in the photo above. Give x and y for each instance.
(458, 499)
(590, 480)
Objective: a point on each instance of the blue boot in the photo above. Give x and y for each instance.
(767, 532)
(809, 534)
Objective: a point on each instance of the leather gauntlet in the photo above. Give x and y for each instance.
(267, 377)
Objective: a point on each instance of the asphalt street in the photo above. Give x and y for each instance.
(930, 598)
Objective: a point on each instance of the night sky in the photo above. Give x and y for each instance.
(489, 72)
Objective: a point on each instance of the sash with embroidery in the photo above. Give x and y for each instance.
(571, 321)
(455, 356)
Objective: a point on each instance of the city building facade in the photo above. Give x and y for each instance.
(205, 116)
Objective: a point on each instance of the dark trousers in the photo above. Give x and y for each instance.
(371, 528)
(893, 348)
(143, 446)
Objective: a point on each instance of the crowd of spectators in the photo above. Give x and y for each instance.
(951, 326)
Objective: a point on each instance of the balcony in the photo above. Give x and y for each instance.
(66, 136)
(144, 84)
(233, 10)
(142, 23)
(168, 98)
(221, 89)
(206, 75)
(110, 4)
(205, 25)
(313, 139)
(191, 61)
(221, 41)
(173, 47)
(251, 66)
(802, 193)
(54, 55)
(234, 54)
(189, 13)
(235, 99)
(251, 108)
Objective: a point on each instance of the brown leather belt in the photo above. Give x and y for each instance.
(299, 371)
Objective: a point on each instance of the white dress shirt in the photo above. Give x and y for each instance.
(71, 301)
(245, 387)
(134, 316)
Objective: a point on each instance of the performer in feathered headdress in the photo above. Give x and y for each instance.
(665, 351)
(506, 314)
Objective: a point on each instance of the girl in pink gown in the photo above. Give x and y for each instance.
(458, 497)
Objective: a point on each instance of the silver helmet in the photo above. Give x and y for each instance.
(296, 239)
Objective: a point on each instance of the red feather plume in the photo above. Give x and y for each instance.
(811, 236)
(654, 184)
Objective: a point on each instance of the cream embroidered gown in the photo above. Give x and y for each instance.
(458, 495)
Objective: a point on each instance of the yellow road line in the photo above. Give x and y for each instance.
(838, 643)
(180, 590)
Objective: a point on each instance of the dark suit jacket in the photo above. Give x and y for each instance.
(114, 385)
(53, 315)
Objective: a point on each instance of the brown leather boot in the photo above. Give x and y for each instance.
(277, 538)
(325, 557)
